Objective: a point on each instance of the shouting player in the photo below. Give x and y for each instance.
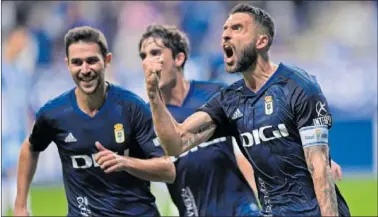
(277, 114)
(214, 179)
(96, 116)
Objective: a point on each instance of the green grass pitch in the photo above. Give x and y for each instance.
(360, 194)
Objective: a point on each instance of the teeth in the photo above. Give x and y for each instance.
(227, 46)
(90, 79)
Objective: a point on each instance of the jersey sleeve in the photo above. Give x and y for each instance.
(144, 132)
(312, 116)
(42, 133)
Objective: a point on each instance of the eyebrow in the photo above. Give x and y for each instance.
(156, 49)
(90, 57)
(87, 59)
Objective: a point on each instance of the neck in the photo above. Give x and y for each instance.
(259, 73)
(90, 104)
(175, 95)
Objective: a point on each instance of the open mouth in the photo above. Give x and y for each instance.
(228, 52)
(87, 79)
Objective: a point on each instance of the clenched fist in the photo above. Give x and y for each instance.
(152, 68)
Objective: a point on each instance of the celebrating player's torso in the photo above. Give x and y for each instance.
(269, 123)
(120, 126)
(208, 181)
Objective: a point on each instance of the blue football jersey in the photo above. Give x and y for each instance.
(272, 126)
(123, 125)
(208, 180)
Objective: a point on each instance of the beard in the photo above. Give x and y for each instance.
(247, 60)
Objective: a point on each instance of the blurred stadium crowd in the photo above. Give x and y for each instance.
(336, 41)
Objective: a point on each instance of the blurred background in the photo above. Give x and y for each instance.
(335, 41)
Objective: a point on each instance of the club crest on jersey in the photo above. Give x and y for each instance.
(268, 105)
(119, 133)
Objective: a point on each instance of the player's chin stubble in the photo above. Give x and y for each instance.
(248, 58)
(90, 90)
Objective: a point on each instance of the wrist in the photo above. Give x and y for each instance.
(154, 97)
(125, 163)
(20, 205)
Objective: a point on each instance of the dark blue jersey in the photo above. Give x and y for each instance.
(123, 125)
(273, 126)
(208, 180)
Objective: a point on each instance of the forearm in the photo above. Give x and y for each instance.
(245, 167)
(26, 168)
(249, 176)
(166, 127)
(324, 185)
(160, 169)
(325, 191)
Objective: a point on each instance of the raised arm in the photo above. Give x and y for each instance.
(178, 138)
(175, 138)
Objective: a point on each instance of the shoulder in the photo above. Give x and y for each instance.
(230, 91)
(204, 90)
(211, 86)
(125, 96)
(299, 80)
(228, 98)
(127, 99)
(57, 105)
(237, 85)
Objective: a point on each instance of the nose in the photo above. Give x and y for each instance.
(226, 36)
(85, 68)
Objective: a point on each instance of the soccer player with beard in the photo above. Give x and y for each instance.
(277, 114)
(213, 179)
(104, 136)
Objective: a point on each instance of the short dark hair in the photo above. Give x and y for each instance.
(172, 38)
(86, 34)
(260, 16)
